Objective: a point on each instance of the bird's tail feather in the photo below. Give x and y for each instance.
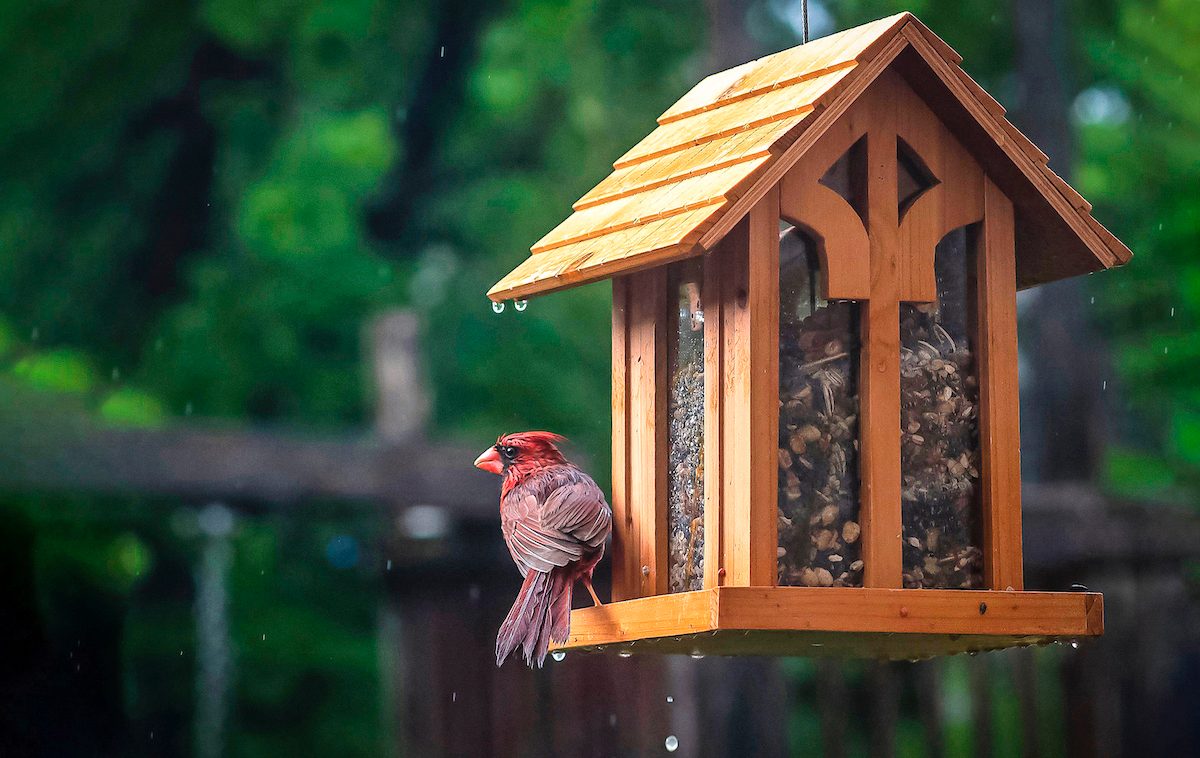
(541, 613)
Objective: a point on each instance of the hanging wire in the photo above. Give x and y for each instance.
(804, 14)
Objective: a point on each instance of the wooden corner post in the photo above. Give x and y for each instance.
(999, 423)
(750, 390)
(639, 435)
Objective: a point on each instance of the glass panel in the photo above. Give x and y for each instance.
(818, 502)
(685, 494)
(939, 419)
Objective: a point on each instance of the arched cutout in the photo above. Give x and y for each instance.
(941, 487)
(818, 480)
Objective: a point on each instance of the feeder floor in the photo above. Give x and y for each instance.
(845, 622)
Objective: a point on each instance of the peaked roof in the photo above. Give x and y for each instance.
(725, 143)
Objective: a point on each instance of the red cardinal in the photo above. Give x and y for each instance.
(555, 521)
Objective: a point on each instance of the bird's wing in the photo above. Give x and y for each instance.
(579, 510)
(573, 520)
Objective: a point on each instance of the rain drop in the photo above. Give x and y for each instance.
(1093, 300)
(520, 305)
(1164, 351)
(1104, 385)
(116, 374)
(1172, 313)
(389, 564)
(1074, 644)
(670, 699)
(558, 655)
(497, 307)
(624, 654)
(453, 697)
(187, 409)
(264, 638)
(671, 743)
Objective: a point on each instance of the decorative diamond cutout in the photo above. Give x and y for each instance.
(848, 177)
(913, 177)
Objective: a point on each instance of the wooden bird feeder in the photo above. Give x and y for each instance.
(815, 258)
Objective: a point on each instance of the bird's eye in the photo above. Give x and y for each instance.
(508, 452)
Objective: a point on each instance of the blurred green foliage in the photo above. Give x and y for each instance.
(204, 203)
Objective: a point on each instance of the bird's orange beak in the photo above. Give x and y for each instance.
(490, 461)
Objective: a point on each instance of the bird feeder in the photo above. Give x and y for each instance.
(815, 259)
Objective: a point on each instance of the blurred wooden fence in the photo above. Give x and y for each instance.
(450, 583)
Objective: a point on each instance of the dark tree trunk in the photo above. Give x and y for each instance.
(728, 42)
(1062, 408)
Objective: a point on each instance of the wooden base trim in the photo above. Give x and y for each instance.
(855, 622)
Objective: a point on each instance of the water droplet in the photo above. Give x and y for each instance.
(520, 305)
(671, 743)
(624, 654)
(559, 655)
(670, 699)
(453, 697)
(1172, 313)
(264, 638)
(1104, 385)
(497, 307)
(1074, 644)
(697, 655)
